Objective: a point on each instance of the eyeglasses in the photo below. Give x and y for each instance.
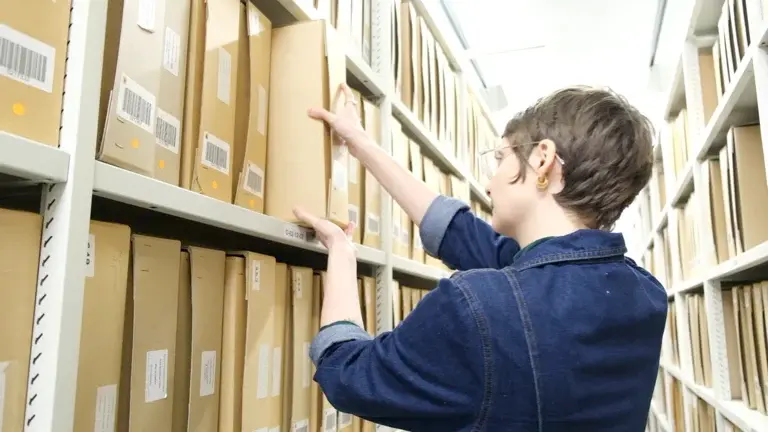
(499, 154)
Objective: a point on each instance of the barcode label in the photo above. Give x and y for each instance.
(171, 51)
(329, 420)
(224, 82)
(256, 275)
(215, 153)
(372, 224)
(301, 426)
(339, 175)
(354, 214)
(135, 104)
(345, 420)
(254, 180)
(167, 129)
(26, 60)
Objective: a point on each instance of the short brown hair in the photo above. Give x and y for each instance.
(606, 144)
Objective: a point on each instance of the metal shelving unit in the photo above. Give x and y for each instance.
(746, 93)
(70, 178)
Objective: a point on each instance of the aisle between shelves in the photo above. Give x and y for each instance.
(190, 173)
(701, 221)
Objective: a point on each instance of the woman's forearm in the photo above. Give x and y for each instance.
(412, 194)
(341, 300)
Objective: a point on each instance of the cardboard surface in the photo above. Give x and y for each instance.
(371, 188)
(183, 346)
(32, 90)
(302, 288)
(19, 258)
(233, 346)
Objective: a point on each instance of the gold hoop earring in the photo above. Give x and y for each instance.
(542, 182)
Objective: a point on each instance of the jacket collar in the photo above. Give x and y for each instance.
(581, 245)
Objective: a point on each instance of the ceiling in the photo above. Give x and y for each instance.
(531, 47)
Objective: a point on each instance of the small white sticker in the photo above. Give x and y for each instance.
(345, 420)
(277, 372)
(224, 87)
(26, 59)
(339, 176)
(136, 104)
(106, 408)
(406, 237)
(354, 214)
(215, 153)
(417, 242)
(254, 24)
(307, 375)
(207, 373)
(90, 256)
(261, 119)
(3, 367)
(275, 429)
(171, 51)
(301, 426)
(156, 376)
(296, 232)
(354, 169)
(147, 15)
(254, 180)
(256, 275)
(167, 131)
(262, 386)
(298, 288)
(396, 230)
(329, 420)
(372, 224)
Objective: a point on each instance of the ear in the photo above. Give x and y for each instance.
(546, 152)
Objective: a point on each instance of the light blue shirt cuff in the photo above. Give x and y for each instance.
(436, 221)
(333, 334)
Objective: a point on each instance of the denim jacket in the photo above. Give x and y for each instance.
(562, 336)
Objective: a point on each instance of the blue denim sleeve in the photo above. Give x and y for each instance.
(426, 374)
(463, 241)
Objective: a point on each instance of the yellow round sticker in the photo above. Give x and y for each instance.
(19, 109)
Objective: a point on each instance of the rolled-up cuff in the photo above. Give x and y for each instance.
(333, 334)
(436, 221)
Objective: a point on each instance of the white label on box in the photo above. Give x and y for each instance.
(396, 231)
(156, 376)
(3, 367)
(417, 241)
(207, 373)
(261, 119)
(298, 282)
(215, 153)
(254, 180)
(26, 59)
(255, 275)
(277, 372)
(147, 15)
(339, 176)
(354, 169)
(372, 224)
(354, 214)
(171, 51)
(405, 235)
(307, 375)
(136, 104)
(167, 131)
(254, 24)
(345, 420)
(90, 256)
(301, 426)
(224, 87)
(329, 420)
(106, 408)
(262, 386)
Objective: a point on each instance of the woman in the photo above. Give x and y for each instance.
(546, 326)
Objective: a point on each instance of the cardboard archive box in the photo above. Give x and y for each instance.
(32, 76)
(130, 84)
(170, 96)
(152, 314)
(252, 164)
(417, 169)
(301, 376)
(215, 139)
(183, 346)
(371, 230)
(19, 258)
(356, 189)
(101, 334)
(308, 65)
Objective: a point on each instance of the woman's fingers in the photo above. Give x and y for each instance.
(322, 114)
(350, 229)
(305, 216)
(348, 95)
